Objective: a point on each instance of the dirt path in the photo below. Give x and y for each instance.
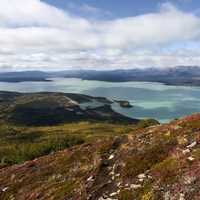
(104, 183)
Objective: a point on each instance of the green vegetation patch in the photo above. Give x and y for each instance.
(143, 161)
(167, 170)
(19, 144)
(126, 195)
(20, 152)
(147, 122)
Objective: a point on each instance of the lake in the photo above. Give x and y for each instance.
(149, 100)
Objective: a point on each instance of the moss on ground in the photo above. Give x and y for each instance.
(167, 170)
(19, 144)
(147, 122)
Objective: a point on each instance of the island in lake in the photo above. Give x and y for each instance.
(124, 104)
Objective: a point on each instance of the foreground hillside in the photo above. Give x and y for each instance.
(111, 162)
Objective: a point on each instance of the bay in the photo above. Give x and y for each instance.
(149, 100)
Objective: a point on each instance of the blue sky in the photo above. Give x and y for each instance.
(98, 34)
(124, 8)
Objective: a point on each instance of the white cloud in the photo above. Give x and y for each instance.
(34, 34)
(166, 26)
(19, 13)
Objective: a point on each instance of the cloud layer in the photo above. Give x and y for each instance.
(35, 35)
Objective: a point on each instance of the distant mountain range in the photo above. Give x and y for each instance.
(24, 76)
(180, 75)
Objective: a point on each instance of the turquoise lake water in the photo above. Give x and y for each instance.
(150, 100)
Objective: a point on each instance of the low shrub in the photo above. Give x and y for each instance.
(147, 122)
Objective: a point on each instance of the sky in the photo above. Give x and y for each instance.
(98, 34)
